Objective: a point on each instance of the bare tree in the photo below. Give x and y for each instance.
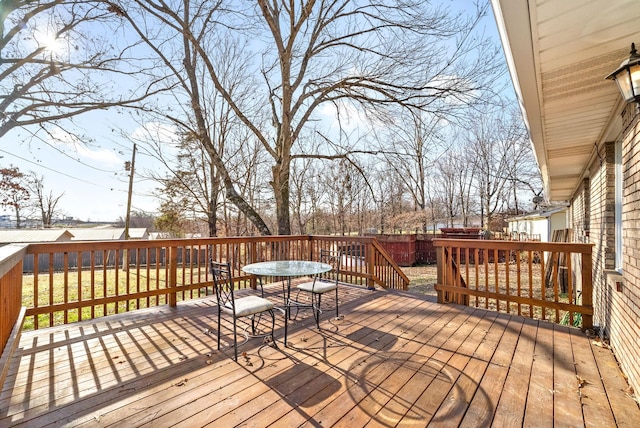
(304, 189)
(195, 61)
(46, 203)
(499, 144)
(454, 182)
(309, 53)
(410, 147)
(58, 60)
(14, 191)
(435, 205)
(448, 189)
(138, 219)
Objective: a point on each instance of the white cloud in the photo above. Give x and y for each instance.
(160, 138)
(156, 133)
(347, 115)
(65, 141)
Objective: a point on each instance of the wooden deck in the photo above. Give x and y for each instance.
(394, 358)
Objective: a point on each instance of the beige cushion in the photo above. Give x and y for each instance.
(320, 287)
(249, 305)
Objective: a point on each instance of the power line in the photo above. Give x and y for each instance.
(62, 152)
(51, 169)
(72, 177)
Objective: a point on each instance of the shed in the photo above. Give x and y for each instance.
(107, 233)
(539, 223)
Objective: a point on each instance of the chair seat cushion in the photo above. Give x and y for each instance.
(320, 286)
(249, 305)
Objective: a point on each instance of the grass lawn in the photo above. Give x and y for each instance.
(422, 278)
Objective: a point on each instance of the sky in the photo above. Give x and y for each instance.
(91, 176)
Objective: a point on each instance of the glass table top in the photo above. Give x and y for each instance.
(287, 268)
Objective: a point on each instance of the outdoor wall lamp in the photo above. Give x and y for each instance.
(627, 76)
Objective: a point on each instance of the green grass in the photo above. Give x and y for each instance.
(55, 289)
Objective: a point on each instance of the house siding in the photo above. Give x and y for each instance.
(616, 295)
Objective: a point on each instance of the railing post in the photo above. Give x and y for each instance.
(371, 267)
(587, 289)
(253, 257)
(440, 271)
(253, 254)
(310, 251)
(173, 276)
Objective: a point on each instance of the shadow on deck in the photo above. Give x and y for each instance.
(392, 358)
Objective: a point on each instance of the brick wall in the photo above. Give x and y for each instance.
(578, 213)
(595, 222)
(616, 295)
(624, 329)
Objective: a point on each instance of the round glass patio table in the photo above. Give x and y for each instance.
(288, 269)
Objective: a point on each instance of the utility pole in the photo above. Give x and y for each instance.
(131, 168)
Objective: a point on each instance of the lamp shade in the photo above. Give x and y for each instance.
(627, 76)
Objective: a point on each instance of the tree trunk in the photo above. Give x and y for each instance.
(280, 184)
(212, 214)
(17, 217)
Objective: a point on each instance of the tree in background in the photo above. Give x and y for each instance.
(499, 149)
(454, 182)
(410, 147)
(139, 219)
(171, 221)
(14, 191)
(300, 57)
(46, 203)
(191, 185)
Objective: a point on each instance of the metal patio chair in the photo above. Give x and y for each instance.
(244, 307)
(323, 283)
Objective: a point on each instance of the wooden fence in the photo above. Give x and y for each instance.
(541, 280)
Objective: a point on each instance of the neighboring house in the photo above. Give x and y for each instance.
(586, 140)
(107, 233)
(27, 236)
(138, 233)
(539, 224)
(64, 235)
(161, 235)
(15, 236)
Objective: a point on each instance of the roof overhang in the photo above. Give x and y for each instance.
(558, 53)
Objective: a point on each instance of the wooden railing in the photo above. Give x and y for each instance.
(549, 281)
(71, 281)
(11, 311)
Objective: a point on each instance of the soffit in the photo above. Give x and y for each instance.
(559, 52)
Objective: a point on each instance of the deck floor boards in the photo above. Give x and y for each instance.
(391, 359)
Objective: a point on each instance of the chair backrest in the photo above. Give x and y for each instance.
(333, 258)
(223, 284)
